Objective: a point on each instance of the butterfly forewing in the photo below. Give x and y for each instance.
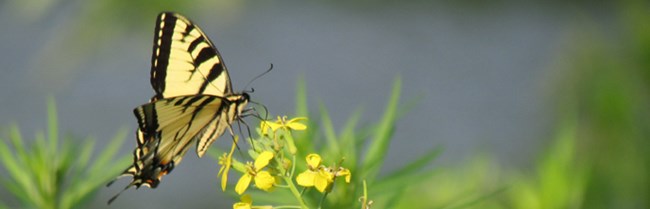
(184, 61)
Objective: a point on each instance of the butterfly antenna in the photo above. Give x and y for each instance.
(258, 76)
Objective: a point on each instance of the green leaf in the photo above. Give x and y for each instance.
(15, 171)
(17, 141)
(416, 165)
(47, 174)
(349, 141)
(107, 154)
(86, 152)
(304, 140)
(16, 189)
(395, 198)
(332, 147)
(393, 184)
(383, 133)
(477, 200)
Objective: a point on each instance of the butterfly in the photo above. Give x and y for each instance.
(193, 101)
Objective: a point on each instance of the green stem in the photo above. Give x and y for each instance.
(364, 204)
(295, 192)
(281, 186)
(320, 204)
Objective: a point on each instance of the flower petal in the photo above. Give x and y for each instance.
(323, 180)
(294, 124)
(227, 162)
(246, 199)
(321, 183)
(313, 160)
(241, 205)
(264, 127)
(243, 183)
(263, 160)
(264, 180)
(306, 178)
(224, 178)
(344, 172)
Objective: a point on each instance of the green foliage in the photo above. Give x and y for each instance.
(610, 89)
(360, 149)
(364, 151)
(53, 173)
(560, 179)
(600, 155)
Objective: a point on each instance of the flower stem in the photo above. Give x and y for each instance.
(295, 192)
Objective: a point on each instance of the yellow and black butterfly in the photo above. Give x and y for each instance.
(193, 101)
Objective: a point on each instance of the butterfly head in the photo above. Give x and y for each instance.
(244, 98)
(241, 102)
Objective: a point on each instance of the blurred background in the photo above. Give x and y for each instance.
(544, 102)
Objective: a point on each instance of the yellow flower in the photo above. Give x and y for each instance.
(320, 176)
(307, 178)
(263, 179)
(225, 161)
(282, 122)
(247, 203)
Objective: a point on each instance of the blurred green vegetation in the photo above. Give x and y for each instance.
(51, 173)
(600, 157)
(610, 87)
(361, 149)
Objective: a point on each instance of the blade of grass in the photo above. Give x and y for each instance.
(477, 200)
(383, 133)
(332, 147)
(348, 139)
(109, 151)
(16, 189)
(85, 153)
(416, 165)
(304, 140)
(17, 141)
(16, 172)
(42, 169)
(388, 186)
